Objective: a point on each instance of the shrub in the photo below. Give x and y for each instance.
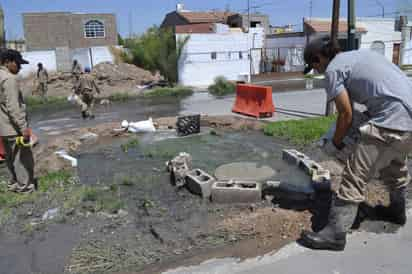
(222, 87)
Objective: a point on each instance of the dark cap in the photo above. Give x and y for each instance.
(12, 55)
(312, 49)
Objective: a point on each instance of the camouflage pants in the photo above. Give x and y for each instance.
(20, 163)
(43, 90)
(380, 153)
(86, 103)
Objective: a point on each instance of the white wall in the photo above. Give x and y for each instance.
(196, 67)
(99, 54)
(379, 29)
(47, 58)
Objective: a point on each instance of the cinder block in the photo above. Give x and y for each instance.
(293, 156)
(321, 180)
(199, 182)
(309, 166)
(236, 192)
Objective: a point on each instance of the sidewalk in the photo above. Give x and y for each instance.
(366, 253)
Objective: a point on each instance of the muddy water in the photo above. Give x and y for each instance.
(104, 164)
(54, 121)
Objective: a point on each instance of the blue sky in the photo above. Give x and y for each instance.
(147, 13)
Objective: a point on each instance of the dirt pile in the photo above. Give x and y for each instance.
(111, 79)
(110, 73)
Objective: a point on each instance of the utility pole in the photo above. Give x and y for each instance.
(351, 25)
(310, 9)
(330, 106)
(382, 6)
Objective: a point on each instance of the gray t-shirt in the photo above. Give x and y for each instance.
(373, 81)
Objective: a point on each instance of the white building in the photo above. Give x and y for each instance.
(381, 36)
(371, 33)
(214, 50)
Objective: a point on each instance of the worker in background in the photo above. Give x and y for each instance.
(76, 69)
(14, 129)
(85, 93)
(42, 78)
(366, 78)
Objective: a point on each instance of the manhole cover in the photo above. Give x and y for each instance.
(244, 171)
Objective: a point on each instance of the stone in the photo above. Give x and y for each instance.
(178, 168)
(236, 192)
(50, 214)
(244, 171)
(178, 174)
(199, 182)
(292, 156)
(321, 180)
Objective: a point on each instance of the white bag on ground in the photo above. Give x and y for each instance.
(72, 98)
(142, 126)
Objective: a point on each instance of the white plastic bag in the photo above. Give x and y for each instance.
(72, 98)
(142, 126)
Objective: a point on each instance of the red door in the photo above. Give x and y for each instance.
(396, 53)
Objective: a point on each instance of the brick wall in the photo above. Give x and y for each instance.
(44, 31)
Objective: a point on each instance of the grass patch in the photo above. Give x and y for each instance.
(101, 199)
(163, 153)
(221, 87)
(130, 144)
(121, 97)
(300, 132)
(177, 91)
(37, 101)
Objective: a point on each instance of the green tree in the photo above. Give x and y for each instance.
(157, 50)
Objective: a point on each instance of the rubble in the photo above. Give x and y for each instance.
(179, 167)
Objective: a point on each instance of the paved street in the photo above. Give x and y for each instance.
(366, 253)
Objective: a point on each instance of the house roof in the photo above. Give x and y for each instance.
(325, 25)
(205, 17)
(195, 28)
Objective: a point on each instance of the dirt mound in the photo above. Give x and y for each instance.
(111, 79)
(123, 72)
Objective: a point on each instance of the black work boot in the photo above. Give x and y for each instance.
(396, 211)
(84, 114)
(333, 236)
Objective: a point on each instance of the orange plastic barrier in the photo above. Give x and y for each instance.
(1, 150)
(254, 100)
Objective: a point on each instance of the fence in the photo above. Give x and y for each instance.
(282, 59)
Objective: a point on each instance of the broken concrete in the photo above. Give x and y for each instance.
(236, 192)
(292, 156)
(199, 182)
(178, 168)
(321, 180)
(309, 166)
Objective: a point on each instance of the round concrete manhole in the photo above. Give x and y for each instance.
(244, 171)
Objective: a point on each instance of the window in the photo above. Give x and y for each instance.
(229, 55)
(94, 29)
(240, 55)
(214, 55)
(379, 47)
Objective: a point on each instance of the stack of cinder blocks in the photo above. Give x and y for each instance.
(201, 183)
(196, 180)
(321, 179)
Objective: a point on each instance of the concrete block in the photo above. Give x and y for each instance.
(321, 180)
(309, 166)
(287, 191)
(199, 182)
(236, 192)
(292, 156)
